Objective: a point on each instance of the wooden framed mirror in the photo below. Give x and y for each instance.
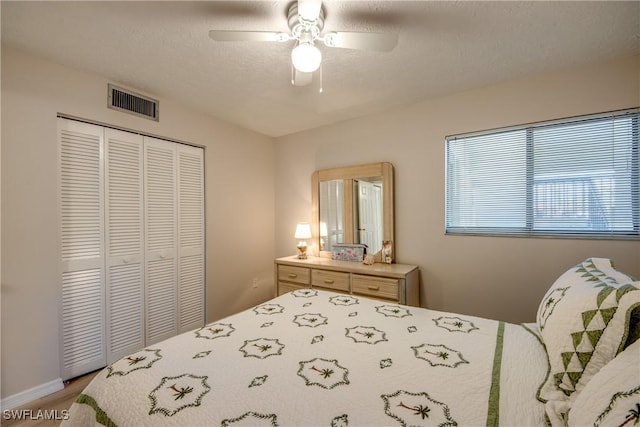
(352, 204)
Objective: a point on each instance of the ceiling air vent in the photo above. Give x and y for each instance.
(133, 103)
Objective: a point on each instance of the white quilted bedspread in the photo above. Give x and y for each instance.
(315, 358)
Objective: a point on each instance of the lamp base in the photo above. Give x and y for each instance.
(302, 252)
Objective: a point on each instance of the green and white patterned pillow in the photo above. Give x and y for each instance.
(587, 317)
(612, 397)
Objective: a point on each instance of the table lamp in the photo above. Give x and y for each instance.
(303, 232)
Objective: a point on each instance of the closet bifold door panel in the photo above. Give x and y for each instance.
(161, 267)
(191, 238)
(124, 243)
(82, 297)
(132, 243)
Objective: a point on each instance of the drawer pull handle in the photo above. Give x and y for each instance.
(374, 288)
(292, 275)
(328, 281)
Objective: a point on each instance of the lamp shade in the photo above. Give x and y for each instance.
(303, 230)
(306, 57)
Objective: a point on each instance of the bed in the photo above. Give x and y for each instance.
(317, 358)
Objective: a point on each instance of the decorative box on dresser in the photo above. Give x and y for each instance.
(398, 283)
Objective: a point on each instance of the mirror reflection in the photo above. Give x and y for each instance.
(353, 205)
(367, 215)
(331, 213)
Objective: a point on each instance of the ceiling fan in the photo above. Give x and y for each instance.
(306, 22)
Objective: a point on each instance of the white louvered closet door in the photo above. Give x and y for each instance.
(190, 238)
(132, 243)
(161, 240)
(82, 248)
(124, 243)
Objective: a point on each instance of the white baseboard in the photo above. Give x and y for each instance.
(31, 394)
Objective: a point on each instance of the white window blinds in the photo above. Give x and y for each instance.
(574, 177)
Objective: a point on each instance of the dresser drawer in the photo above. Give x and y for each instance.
(284, 287)
(379, 287)
(294, 274)
(330, 280)
(397, 283)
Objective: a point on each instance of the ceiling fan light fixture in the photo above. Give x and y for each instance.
(306, 57)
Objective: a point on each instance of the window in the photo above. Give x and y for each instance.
(574, 177)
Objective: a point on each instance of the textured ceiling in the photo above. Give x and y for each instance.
(163, 50)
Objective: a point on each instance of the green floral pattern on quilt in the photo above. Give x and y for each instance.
(262, 348)
(311, 320)
(417, 409)
(455, 324)
(174, 394)
(384, 364)
(439, 355)
(612, 397)
(252, 419)
(143, 359)
(623, 409)
(323, 373)
(393, 311)
(215, 330)
(366, 334)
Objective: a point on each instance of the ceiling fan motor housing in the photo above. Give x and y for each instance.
(301, 29)
(305, 19)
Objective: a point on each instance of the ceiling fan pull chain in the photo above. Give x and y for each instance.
(320, 90)
(293, 76)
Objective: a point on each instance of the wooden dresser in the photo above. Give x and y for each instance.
(398, 283)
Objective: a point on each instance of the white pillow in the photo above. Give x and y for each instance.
(612, 397)
(584, 321)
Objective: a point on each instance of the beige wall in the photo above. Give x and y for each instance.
(239, 206)
(252, 184)
(503, 278)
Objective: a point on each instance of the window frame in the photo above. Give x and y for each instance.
(528, 229)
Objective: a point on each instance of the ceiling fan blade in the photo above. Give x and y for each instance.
(248, 36)
(301, 79)
(382, 42)
(309, 10)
